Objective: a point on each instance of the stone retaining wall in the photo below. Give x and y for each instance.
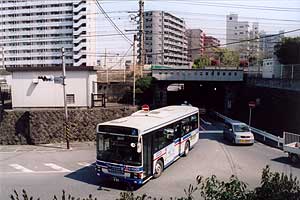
(46, 126)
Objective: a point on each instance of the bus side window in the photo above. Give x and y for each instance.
(186, 127)
(160, 139)
(194, 121)
(177, 130)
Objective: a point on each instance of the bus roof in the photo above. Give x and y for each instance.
(146, 121)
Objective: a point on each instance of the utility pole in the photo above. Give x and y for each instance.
(66, 127)
(124, 70)
(105, 67)
(142, 36)
(133, 65)
(3, 62)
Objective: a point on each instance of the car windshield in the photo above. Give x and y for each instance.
(241, 128)
(119, 149)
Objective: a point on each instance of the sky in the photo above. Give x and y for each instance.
(208, 15)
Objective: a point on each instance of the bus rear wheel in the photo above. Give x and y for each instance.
(186, 148)
(159, 168)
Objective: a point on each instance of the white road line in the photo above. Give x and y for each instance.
(56, 167)
(85, 164)
(21, 168)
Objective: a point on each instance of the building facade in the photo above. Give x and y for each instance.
(28, 91)
(165, 39)
(267, 43)
(240, 37)
(210, 43)
(195, 43)
(32, 33)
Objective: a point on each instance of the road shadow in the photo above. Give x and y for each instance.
(88, 175)
(286, 160)
(219, 138)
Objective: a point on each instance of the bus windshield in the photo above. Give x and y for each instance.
(241, 128)
(119, 149)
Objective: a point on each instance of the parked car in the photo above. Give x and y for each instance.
(292, 146)
(237, 132)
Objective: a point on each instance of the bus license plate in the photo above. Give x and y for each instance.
(115, 179)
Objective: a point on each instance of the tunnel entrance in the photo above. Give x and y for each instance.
(204, 95)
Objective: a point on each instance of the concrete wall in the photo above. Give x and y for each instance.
(26, 94)
(42, 127)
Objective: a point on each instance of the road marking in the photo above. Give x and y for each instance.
(56, 167)
(21, 168)
(85, 164)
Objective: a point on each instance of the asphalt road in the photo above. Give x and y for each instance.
(45, 173)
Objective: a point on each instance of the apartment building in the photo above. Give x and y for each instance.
(238, 35)
(210, 43)
(32, 33)
(195, 43)
(267, 43)
(165, 39)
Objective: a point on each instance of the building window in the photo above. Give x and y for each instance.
(70, 98)
(230, 18)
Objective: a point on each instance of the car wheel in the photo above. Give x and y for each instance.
(294, 158)
(186, 148)
(159, 168)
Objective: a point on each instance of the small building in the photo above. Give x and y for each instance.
(5, 78)
(271, 68)
(41, 87)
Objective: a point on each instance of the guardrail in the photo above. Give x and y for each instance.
(265, 135)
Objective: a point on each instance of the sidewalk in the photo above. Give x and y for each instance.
(47, 147)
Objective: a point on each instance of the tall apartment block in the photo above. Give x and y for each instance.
(165, 39)
(33, 32)
(195, 43)
(237, 35)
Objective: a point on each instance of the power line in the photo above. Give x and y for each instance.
(112, 22)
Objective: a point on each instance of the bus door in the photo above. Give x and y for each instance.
(177, 138)
(147, 154)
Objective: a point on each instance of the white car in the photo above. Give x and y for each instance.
(237, 132)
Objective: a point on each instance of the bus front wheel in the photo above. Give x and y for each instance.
(159, 168)
(186, 148)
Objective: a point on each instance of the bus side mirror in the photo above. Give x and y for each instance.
(139, 147)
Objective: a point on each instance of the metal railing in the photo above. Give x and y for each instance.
(290, 137)
(265, 135)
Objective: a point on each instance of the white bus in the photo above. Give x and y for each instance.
(136, 148)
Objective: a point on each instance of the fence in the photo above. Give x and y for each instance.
(290, 137)
(282, 72)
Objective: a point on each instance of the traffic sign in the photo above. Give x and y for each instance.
(145, 107)
(252, 104)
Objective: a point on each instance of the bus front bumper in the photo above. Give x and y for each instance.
(119, 179)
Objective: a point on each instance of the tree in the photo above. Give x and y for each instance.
(288, 51)
(228, 58)
(145, 90)
(201, 62)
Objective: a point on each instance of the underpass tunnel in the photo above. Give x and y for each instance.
(200, 94)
